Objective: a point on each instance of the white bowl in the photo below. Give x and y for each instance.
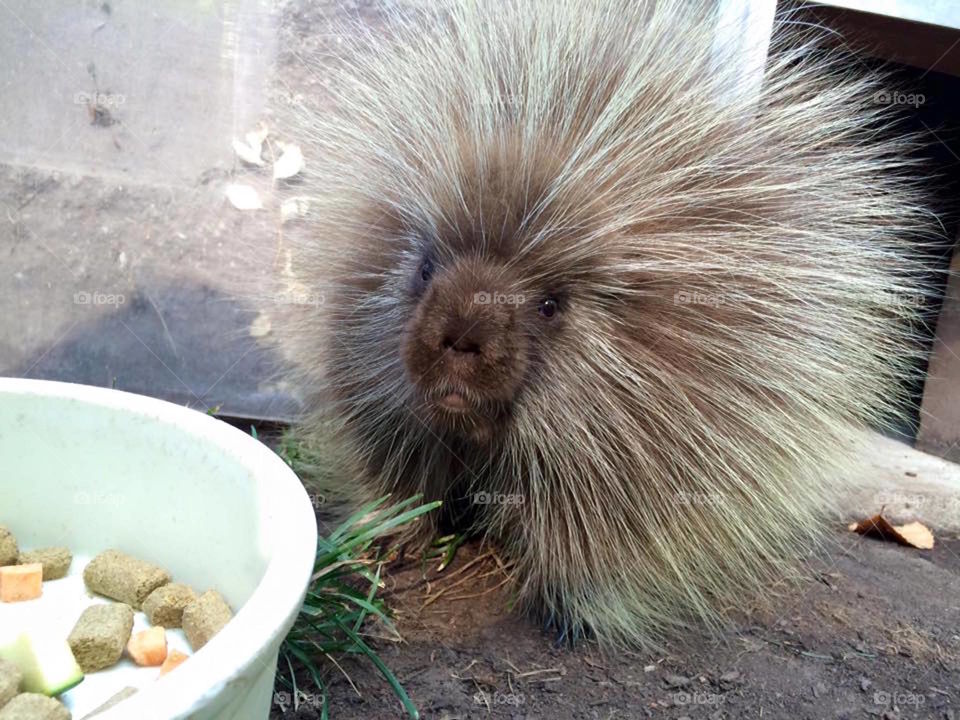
(93, 469)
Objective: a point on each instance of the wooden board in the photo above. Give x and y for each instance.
(940, 412)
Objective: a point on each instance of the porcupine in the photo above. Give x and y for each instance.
(627, 322)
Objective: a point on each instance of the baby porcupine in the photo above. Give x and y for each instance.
(625, 315)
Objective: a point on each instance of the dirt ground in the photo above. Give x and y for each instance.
(874, 633)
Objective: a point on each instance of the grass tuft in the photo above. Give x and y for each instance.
(343, 590)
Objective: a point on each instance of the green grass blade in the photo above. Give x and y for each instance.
(385, 671)
(373, 591)
(343, 595)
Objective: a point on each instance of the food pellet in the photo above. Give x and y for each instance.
(100, 635)
(31, 706)
(164, 606)
(55, 560)
(8, 547)
(204, 618)
(10, 679)
(20, 582)
(121, 577)
(115, 700)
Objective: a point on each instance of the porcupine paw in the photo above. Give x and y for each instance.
(567, 632)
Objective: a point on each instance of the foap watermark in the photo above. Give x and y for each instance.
(285, 700)
(898, 699)
(695, 297)
(481, 697)
(495, 498)
(498, 298)
(686, 497)
(99, 98)
(898, 498)
(98, 298)
(698, 698)
(898, 300)
(895, 97)
(299, 298)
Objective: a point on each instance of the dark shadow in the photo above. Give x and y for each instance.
(186, 343)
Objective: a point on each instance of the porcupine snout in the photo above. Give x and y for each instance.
(464, 350)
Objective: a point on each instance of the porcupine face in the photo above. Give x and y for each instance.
(464, 353)
(476, 334)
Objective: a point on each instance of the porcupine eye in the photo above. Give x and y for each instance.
(548, 307)
(426, 270)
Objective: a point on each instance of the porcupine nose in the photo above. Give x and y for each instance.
(471, 315)
(463, 338)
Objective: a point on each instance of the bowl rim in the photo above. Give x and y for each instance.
(292, 536)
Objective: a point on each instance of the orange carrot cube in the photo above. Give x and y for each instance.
(174, 659)
(148, 647)
(21, 582)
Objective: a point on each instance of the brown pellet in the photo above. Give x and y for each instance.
(32, 706)
(164, 606)
(8, 547)
(204, 618)
(100, 635)
(10, 679)
(55, 560)
(119, 576)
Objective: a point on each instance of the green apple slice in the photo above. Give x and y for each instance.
(47, 663)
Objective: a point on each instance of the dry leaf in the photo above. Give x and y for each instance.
(250, 149)
(248, 153)
(243, 197)
(289, 163)
(913, 534)
(917, 535)
(256, 137)
(294, 207)
(260, 326)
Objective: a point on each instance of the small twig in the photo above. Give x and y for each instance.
(479, 594)
(528, 673)
(486, 700)
(815, 655)
(342, 563)
(472, 663)
(344, 672)
(433, 598)
(470, 564)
